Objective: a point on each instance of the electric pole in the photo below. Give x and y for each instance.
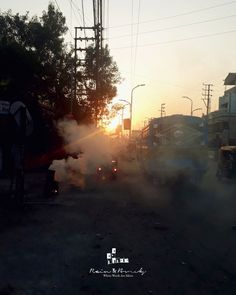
(162, 110)
(96, 38)
(80, 61)
(206, 97)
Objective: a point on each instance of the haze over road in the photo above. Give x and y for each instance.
(183, 239)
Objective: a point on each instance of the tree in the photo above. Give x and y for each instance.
(40, 44)
(18, 72)
(99, 80)
(37, 65)
(35, 68)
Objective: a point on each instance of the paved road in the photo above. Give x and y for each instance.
(178, 241)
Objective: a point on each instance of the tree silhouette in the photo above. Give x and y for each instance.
(106, 75)
(37, 67)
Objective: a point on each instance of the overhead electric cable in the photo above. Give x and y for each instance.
(131, 52)
(79, 12)
(82, 4)
(71, 13)
(177, 15)
(179, 40)
(61, 12)
(107, 20)
(94, 13)
(177, 27)
(137, 34)
(74, 13)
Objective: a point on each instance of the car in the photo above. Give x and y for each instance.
(108, 171)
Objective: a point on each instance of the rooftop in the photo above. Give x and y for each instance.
(230, 79)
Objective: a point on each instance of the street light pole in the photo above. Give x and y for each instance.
(191, 103)
(131, 107)
(127, 102)
(198, 109)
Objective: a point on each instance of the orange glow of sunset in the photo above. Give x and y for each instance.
(111, 127)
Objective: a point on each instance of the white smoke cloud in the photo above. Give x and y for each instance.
(89, 143)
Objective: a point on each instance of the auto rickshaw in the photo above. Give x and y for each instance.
(226, 162)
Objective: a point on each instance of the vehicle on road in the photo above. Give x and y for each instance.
(226, 167)
(173, 147)
(108, 171)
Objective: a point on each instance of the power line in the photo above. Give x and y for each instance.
(137, 34)
(94, 13)
(79, 12)
(74, 12)
(82, 4)
(71, 20)
(75, 7)
(179, 40)
(107, 20)
(177, 27)
(161, 82)
(177, 15)
(131, 52)
(61, 12)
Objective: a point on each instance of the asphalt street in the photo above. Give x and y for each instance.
(178, 240)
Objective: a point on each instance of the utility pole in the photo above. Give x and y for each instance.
(162, 110)
(96, 33)
(98, 21)
(79, 63)
(207, 97)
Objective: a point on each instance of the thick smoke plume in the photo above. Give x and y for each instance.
(90, 148)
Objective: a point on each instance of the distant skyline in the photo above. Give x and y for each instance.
(180, 45)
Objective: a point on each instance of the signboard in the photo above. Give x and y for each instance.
(4, 107)
(127, 124)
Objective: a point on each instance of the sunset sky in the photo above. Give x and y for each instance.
(180, 45)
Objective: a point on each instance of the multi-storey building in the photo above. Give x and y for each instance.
(222, 123)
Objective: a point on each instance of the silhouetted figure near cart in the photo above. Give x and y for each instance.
(16, 124)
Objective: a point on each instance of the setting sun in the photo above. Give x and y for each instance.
(113, 124)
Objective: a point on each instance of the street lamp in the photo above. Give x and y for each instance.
(191, 103)
(125, 101)
(198, 109)
(131, 107)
